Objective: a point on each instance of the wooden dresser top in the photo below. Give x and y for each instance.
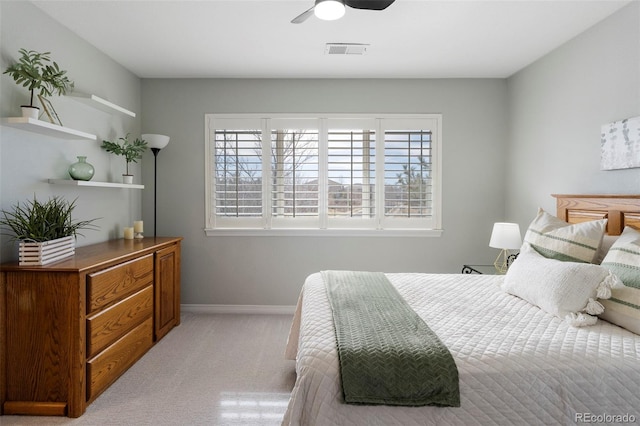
(100, 254)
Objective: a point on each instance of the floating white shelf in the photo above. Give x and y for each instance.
(46, 128)
(100, 103)
(94, 183)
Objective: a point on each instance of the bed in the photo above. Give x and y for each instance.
(517, 363)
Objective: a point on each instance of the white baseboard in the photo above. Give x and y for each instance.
(239, 309)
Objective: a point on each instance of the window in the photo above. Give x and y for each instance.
(294, 173)
(408, 188)
(351, 173)
(337, 172)
(238, 173)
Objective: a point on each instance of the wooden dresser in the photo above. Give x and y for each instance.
(68, 330)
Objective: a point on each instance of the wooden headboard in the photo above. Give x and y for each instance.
(621, 210)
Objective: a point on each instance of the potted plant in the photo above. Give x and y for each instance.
(45, 231)
(132, 152)
(36, 71)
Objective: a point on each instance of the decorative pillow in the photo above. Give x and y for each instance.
(568, 290)
(556, 239)
(623, 259)
(607, 242)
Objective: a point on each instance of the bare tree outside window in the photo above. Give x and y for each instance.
(238, 170)
(294, 165)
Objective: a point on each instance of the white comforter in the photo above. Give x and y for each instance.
(517, 364)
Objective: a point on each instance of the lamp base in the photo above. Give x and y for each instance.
(501, 263)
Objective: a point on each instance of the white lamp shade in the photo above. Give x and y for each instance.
(329, 10)
(155, 141)
(506, 236)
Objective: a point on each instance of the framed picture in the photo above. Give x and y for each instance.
(49, 110)
(620, 144)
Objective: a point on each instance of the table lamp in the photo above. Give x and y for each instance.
(505, 236)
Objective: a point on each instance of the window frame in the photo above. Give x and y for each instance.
(324, 225)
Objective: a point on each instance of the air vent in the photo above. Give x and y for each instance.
(345, 48)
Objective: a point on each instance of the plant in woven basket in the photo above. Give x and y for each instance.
(43, 221)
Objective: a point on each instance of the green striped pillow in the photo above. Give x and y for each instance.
(623, 259)
(556, 239)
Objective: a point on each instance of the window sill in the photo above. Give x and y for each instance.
(239, 232)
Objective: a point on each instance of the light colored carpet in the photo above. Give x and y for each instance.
(222, 369)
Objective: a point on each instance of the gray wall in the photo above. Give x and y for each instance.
(271, 270)
(557, 106)
(507, 144)
(27, 159)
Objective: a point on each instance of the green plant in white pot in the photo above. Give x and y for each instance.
(36, 71)
(45, 230)
(131, 151)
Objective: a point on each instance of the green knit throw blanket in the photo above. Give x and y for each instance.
(388, 355)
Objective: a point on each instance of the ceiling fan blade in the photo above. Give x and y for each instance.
(303, 16)
(369, 4)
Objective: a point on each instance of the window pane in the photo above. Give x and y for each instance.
(351, 173)
(294, 171)
(407, 174)
(238, 171)
(271, 172)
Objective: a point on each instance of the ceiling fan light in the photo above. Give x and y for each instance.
(329, 10)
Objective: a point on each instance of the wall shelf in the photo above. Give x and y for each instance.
(94, 183)
(100, 103)
(46, 128)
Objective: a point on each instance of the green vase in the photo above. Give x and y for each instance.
(81, 170)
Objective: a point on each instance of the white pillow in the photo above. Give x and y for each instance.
(568, 290)
(607, 242)
(623, 259)
(556, 239)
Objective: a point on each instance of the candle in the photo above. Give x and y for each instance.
(128, 233)
(138, 227)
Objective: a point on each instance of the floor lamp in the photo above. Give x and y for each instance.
(156, 143)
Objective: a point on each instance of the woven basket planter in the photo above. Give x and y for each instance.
(46, 252)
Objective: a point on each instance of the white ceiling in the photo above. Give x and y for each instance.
(246, 38)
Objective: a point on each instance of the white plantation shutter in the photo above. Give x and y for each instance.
(351, 177)
(294, 172)
(236, 165)
(238, 187)
(360, 172)
(409, 189)
(407, 173)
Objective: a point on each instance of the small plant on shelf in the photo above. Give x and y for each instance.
(131, 151)
(35, 221)
(36, 71)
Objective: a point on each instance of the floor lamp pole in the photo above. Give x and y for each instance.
(155, 186)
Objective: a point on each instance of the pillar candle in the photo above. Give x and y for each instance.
(138, 226)
(128, 233)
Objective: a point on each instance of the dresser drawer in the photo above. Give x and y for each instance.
(109, 325)
(105, 368)
(107, 286)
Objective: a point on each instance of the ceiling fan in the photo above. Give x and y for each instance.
(334, 9)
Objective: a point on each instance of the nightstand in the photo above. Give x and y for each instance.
(480, 269)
